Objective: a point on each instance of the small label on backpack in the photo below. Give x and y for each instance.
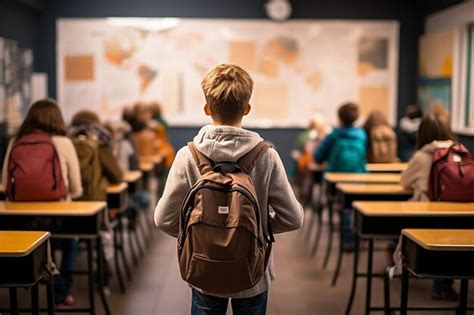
(223, 210)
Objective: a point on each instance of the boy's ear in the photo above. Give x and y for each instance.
(247, 109)
(207, 110)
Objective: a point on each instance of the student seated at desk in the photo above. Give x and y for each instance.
(44, 121)
(306, 143)
(161, 128)
(406, 132)
(381, 139)
(433, 134)
(127, 157)
(144, 137)
(344, 149)
(99, 167)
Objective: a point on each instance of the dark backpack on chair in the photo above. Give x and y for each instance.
(223, 247)
(34, 170)
(452, 175)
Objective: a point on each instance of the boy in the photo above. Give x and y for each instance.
(227, 89)
(345, 151)
(344, 148)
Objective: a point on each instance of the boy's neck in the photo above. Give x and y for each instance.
(236, 124)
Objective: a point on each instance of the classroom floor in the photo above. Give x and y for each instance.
(302, 287)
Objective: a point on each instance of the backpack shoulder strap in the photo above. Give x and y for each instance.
(203, 163)
(247, 162)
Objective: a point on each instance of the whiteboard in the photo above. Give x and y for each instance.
(299, 67)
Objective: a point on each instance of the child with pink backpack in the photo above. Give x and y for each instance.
(41, 164)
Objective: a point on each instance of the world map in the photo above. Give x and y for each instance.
(299, 67)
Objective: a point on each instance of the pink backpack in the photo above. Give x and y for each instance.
(34, 170)
(452, 175)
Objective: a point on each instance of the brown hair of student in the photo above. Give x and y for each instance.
(376, 118)
(413, 111)
(348, 114)
(85, 117)
(44, 115)
(431, 129)
(156, 110)
(227, 89)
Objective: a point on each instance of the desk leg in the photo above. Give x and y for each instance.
(132, 226)
(90, 270)
(117, 250)
(331, 231)
(319, 228)
(340, 251)
(370, 257)
(404, 294)
(100, 275)
(122, 249)
(386, 291)
(13, 301)
(355, 271)
(35, 299)
(50, 295)
(463, 297)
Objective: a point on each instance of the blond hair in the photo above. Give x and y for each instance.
(227, 89)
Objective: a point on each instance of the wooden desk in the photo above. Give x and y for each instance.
(146, 166)
(374, 178)
(379, 220)
(23, 257)
(437, 254)
(117, 197)
(386, 167)
(134, 181)
(349, 193)
(156, 159)
(359, 192)
(20, 243)
(81, 218)
(332, 179)
(68, 219)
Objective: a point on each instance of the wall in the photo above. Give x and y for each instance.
(455, 17)
(19, 20)
(404, 11)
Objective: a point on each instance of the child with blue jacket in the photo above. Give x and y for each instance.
(344, 150)
(345, 147)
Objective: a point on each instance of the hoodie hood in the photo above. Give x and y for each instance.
(225, 143)
(431, 147)
(410, 125)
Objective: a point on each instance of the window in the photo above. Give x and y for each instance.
(469, 89)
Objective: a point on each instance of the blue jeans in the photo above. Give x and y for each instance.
(442, 285)
(63, 282)
(203, 304)
(140, 201)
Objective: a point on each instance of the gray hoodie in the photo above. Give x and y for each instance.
(225, 143)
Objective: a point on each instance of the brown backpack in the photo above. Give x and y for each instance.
(93, 184)
(383, 145)
(222, 245)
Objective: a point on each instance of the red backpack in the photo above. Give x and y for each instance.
(452, 175)
(34, 170)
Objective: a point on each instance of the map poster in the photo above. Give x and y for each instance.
(107, 64)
